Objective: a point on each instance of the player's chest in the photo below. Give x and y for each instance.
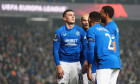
(70, 36)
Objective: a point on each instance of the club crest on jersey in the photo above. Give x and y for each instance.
(64, 34)
(78, 33)
(55, 36)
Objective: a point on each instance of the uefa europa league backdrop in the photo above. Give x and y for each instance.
(56, 9)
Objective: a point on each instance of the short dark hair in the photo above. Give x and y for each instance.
(66, 11)
(108, 10)
(95, 16)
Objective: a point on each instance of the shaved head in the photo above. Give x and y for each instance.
(84, 16)
(84, 22)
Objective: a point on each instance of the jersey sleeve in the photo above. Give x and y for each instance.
(91, 45)
(84, 44)
(56, 46)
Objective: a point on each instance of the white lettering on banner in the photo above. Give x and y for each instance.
(54, 8)
(9, 7)
(32, 8)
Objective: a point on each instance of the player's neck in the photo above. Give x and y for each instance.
(108, 20)
(69, 26)
(94, 23)
(85, 29)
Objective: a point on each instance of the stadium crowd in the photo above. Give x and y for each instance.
(129, 50)
(26, 54)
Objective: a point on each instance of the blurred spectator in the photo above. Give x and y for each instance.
(25, 56)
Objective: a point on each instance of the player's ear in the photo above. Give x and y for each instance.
(89, 19)
(64, 18)
(100, 20)
(80, 21)
(107, 15)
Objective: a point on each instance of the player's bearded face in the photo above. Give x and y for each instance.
(90, 25)
(103, 19)
(85, 24)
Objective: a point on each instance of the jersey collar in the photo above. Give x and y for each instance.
(69, 29)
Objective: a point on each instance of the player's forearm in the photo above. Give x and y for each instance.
(89, 66)
(85, 62)
(85, 51)
(58, 66)
(84, 45)
(56, 57)
(90, 52)
(90, 56)
(114, 45)
(56, 46)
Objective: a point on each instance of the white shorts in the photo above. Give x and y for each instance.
(93, 79)
(86, 81)
(72, 71)
(107, 76)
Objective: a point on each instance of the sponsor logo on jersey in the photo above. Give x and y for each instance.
(71, 42)
(64, 34)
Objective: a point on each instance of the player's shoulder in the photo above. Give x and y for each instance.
(112, 25)
(60, 29)
(91, 30)
(96, 27)
(79, 28)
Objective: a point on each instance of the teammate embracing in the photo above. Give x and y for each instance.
(100, 47)
(107, 13)
(85, 25)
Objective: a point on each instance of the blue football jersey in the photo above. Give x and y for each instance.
(100, 43)
(114, 31)
(94, 64)
(67, 44)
